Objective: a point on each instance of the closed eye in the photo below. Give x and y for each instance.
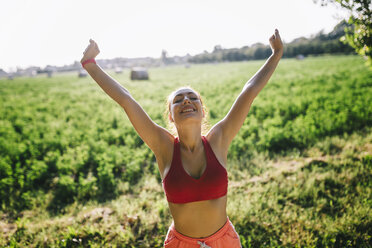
(179, 98)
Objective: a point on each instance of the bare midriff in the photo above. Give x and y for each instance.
(199, 219)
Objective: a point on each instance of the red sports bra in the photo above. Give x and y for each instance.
(180, 187)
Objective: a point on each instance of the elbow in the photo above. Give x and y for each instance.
(123, 98)
(249, 93)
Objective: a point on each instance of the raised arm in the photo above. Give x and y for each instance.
(153, 135)
(225, 130)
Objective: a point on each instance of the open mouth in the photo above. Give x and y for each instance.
(188, 110)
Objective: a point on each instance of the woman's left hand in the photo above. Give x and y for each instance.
(276, 43)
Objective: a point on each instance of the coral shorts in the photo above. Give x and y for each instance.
(225, 237)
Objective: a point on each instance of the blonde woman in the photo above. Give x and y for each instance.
(193, 167)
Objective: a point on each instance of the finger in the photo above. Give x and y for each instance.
(277, 33)
(93, 43)
(272, 37)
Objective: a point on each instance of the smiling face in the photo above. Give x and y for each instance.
(185, 104)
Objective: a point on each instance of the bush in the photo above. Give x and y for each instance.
(106, 182)
(87, 188)
(65, 191)
(6, 181)
(37, 174)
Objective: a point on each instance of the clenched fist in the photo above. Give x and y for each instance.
(276, 43)
(91, 51)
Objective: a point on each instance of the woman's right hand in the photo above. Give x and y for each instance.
(276, 43)
(91, 51)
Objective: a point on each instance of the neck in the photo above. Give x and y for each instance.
(190, 137)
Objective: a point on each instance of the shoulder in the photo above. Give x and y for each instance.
(218, 146)
(164, 154)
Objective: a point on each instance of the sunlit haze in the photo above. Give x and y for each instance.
(42, 32)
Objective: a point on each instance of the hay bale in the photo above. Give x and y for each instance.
(139, 73)
(82, 73)
(300, 57)
(118, 70)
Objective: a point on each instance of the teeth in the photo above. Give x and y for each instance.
(188, 110)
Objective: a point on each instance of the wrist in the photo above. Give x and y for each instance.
(277, 54)
(84, 62)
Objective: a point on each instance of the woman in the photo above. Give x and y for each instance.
(192, 166)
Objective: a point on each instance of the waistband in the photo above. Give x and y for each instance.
(211, 238)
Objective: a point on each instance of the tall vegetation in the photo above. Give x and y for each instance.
(359, 33)
(73, 172)
(318, 44)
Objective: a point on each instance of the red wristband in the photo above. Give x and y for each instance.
(88, 61)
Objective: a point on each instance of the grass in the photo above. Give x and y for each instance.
(313, 200)
(73, 173)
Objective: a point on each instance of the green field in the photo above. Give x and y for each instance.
(73, 172)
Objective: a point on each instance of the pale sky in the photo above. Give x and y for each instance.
(41, 32)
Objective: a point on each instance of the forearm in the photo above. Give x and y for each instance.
(107, 83)
(260, 79)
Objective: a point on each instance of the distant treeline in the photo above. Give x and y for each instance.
(318, 44)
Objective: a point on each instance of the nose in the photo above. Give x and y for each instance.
(186, 100)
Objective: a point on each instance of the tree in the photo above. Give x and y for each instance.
(359, 35)
(164, 57)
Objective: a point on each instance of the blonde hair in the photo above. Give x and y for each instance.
(170, 125)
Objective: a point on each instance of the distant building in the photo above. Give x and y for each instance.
(33, 73)
(118, 64)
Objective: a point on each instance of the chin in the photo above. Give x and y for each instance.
(190, 119)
